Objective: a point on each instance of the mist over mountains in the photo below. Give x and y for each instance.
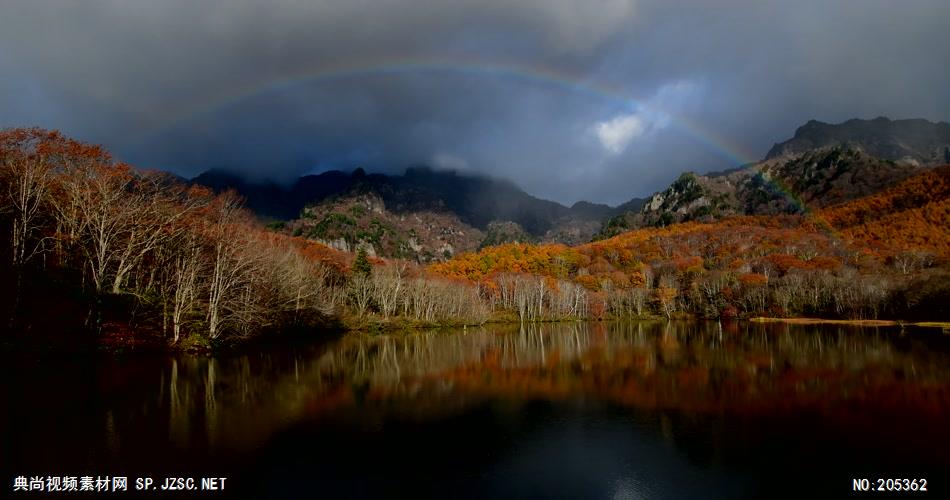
(477, 200)
(427, 214)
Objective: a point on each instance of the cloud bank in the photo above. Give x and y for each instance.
(571, 99)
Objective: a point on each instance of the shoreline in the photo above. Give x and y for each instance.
(945, 325)
(110, 344)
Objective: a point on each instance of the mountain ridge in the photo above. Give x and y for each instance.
(821, 165)
(477, 200)
(914, 140)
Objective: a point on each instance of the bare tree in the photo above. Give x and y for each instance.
(27, 171)
(97, 209)
(154, 209)
(27, 174)
(229, 263)
(360, 291)
(388, 284)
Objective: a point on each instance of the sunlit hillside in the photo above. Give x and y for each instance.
(855, 258)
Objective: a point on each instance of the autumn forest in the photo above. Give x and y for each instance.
(97, 249)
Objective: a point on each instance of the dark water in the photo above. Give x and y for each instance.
(623, 410)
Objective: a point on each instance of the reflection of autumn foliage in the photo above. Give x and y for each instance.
(682, 366)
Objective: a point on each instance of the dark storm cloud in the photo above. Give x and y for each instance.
(160, 83)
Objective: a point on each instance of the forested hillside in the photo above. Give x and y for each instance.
(913, 216)
(866, 258)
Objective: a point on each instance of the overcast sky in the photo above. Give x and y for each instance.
(571, 99)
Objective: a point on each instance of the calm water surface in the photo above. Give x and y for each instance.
(602, 410)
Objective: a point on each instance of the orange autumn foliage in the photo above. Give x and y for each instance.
(753, 279)
(913, 215)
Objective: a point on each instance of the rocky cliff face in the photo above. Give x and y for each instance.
(791, 183)
(364, 221)
(502, 232)
(822, 165)
(690, 197)
(822, 177)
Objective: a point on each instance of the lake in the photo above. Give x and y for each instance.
(570, 410)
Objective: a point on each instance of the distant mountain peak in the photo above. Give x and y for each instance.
(823, 164)
(915, 140)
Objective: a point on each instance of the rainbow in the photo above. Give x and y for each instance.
(534, 75)
(531, 75)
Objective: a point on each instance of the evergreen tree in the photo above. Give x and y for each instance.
(361, 265)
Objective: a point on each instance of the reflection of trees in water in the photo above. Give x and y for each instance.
(385, 361)
(699, 366)
(232, 400)
(389, 360)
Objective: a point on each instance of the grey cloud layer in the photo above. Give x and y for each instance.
(136, 76)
